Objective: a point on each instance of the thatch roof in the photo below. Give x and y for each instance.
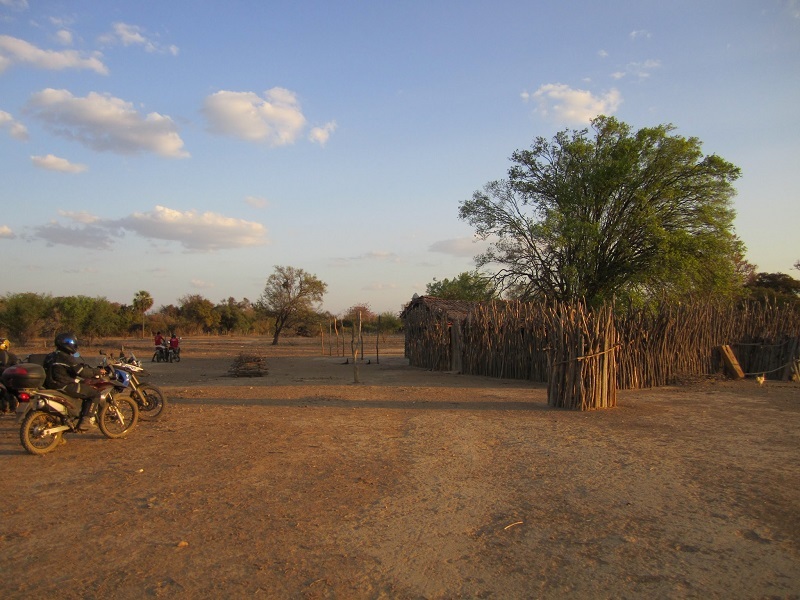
(454, 309)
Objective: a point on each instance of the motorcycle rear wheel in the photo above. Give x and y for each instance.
(118, 417)
(152, 402)
(31, 436)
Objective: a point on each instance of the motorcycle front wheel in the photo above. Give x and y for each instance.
(117, 417)
(32, 435)
(152, 402)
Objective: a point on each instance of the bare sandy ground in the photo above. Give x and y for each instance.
(410, 484)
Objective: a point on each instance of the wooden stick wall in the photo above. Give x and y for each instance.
(640, 348)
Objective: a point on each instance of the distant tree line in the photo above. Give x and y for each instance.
(286, 306)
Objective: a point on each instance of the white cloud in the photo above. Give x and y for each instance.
(640, 34)
(602, 53)
(465, 246)
(256, 201)
(320, 135)
(80, 216)
(105, 123)
(83, 236)
(61, 22)
(195, 231)
(16, 51)
(642, 70)
(15, 4)
(64, 37)
(55, 163)
(564, 104)
(129, 35)
(275, 119)
(15, 129)
(6, 233)
(133, 35)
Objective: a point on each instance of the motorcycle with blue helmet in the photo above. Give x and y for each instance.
(47, 409)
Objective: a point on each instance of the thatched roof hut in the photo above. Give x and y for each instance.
(454, 309)
(433, 332)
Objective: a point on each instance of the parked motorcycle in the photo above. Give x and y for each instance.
(161, 353)
(45, 415)
(150, 399)
(174, 355)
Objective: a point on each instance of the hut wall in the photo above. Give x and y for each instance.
(428, 340)
(506, 340)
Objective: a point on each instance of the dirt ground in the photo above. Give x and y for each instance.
(409, 484)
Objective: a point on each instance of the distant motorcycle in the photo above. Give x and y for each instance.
(174, 354)
(150, 399)
(161, 353)
(45, 415)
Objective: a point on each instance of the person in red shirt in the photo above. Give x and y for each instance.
(175, 348)
(161, 347)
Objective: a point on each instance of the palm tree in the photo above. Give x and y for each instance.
(142, 302)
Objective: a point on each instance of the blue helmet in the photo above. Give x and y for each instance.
(67, 342)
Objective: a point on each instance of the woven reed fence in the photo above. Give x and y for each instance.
(427, 339)
(507, 340)
(653, 348)
(684, 339)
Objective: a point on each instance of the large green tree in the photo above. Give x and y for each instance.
(470, 285)
(197, 313)
(611, 212)
(235, 317)
(289, 297)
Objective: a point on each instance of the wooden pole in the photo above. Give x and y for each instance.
(336, 331)
(377, 342)
(354, 349)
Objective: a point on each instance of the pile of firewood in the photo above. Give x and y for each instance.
(248, 365)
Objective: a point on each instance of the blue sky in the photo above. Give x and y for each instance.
(189, 147)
